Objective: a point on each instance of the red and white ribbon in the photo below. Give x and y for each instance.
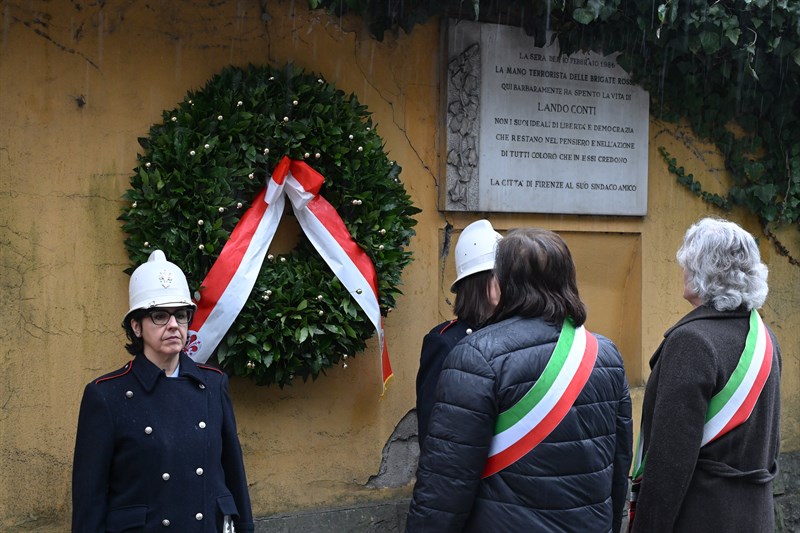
(228, 284)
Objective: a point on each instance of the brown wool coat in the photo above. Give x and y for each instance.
(726, 486)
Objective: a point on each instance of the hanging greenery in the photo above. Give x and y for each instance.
(731, 69)
(202, 167)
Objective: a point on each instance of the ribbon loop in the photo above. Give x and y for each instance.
(298, 195)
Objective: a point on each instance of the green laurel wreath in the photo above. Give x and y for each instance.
(203, 166)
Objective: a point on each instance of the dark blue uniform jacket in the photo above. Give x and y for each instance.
(435, 347)
(158, 454)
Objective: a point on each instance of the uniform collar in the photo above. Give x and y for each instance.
(148, 374)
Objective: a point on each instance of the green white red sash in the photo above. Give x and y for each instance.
(522, 427)
(731, 406)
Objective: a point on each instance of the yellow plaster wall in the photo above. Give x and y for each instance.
(80, 82)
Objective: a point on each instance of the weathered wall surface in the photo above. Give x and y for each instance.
(80, 82)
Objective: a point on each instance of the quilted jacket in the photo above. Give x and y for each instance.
(574, 480)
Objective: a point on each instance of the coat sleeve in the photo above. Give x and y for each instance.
(91, 466)
(454, 453)
(233, 464)
(685, 385)
(622, 456)
(434, 350)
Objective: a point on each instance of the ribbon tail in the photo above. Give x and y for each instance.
(230, 281)
(328, 234)
(386, 367)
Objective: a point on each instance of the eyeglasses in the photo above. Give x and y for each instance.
(161, 317)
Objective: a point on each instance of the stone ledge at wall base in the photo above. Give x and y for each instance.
(382, 517)
(390, 516)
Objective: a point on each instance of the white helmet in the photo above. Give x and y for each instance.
(475, 250)
(158, 283)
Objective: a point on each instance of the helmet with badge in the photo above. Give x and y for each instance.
(158, 283)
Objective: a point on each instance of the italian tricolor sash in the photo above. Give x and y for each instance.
(522, 427)
(731, 406)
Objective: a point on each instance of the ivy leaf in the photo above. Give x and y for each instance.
(710, 41)
(765, 193)
(733, 35)
(662, 11)
(583, 15)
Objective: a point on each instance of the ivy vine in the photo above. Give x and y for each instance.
(730, 69)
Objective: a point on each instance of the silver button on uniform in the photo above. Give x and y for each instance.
(202, 425)
(199, 471)
(202, 386)
(165, 523)
(165, 476)
(148, 430)
(129, 394)
(198, 516)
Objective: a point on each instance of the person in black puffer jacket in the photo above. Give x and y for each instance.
(566, 464)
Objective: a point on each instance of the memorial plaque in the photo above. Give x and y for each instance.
(529, 130)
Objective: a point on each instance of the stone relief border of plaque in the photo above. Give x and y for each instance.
(463, 128)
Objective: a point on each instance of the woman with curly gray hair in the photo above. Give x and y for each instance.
(722, 266)
(709, 440)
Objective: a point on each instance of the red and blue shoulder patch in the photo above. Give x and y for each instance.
(113, 375)
(206, 367)
(451, 323)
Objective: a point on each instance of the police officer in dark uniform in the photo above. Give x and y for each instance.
(477, 295)
(157, 447)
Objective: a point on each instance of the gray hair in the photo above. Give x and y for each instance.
(723, 265)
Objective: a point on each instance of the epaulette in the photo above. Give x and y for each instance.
(206, 367)
(121, 372)
(452, 322)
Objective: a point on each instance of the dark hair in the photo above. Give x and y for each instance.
(472, 303)
(536, 274)
(135, 345)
